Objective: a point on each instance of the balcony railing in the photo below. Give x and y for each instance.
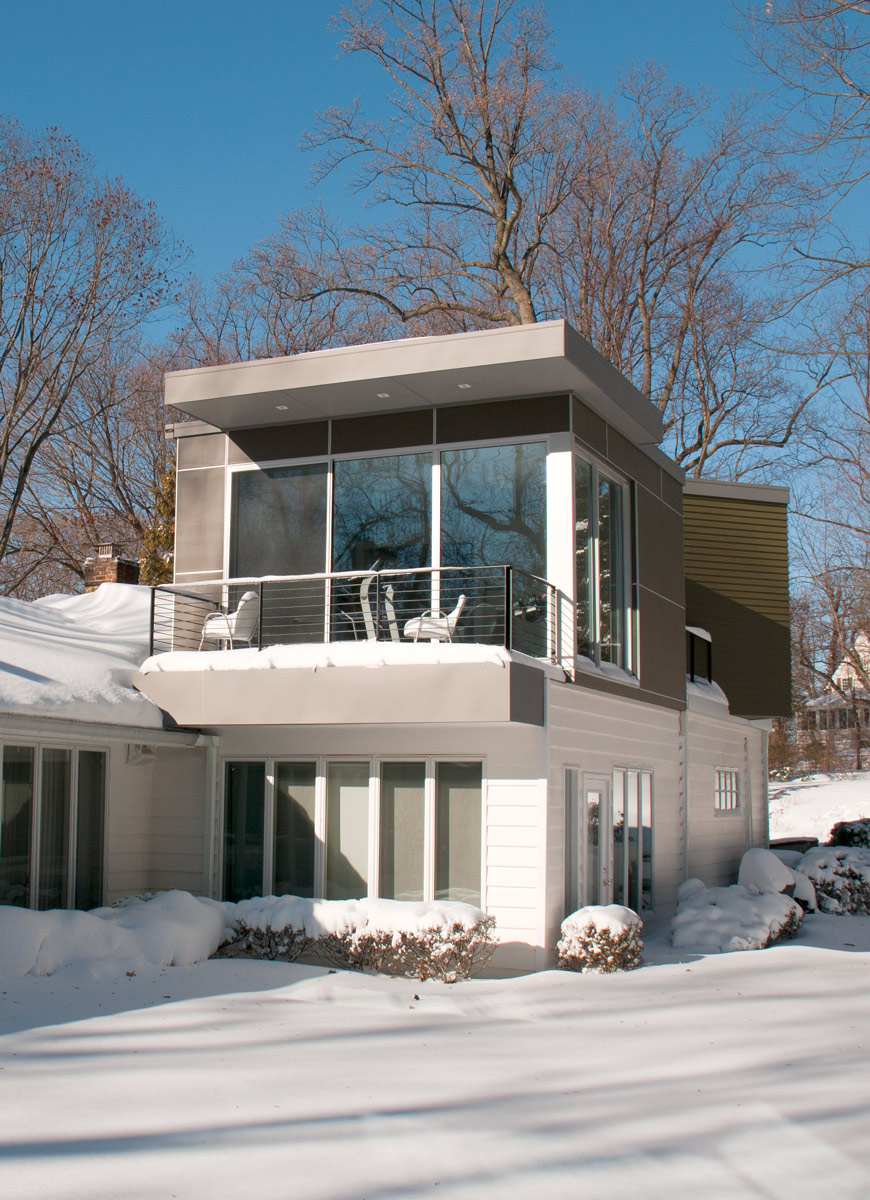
(503, 606)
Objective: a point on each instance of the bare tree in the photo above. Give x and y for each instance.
(82, 261)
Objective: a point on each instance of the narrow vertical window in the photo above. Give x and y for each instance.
(347, 830)
(402, 824)
(54, 821)
(458, 800)
(295, 784)
(583, 556)
(611, 573)
(90, 828)
(632, 839)
(244, 813)
(17, 825)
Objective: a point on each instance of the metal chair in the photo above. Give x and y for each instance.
(434, 626)
(238, 626)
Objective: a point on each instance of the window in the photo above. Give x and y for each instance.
(382, 512)
(608, 839)
(52, 827)
(338, 829)
(600, 565)
(726, 797)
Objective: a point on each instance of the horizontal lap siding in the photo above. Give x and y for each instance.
(128, 825)
(717, 840)
(596, 733)
(178, 821)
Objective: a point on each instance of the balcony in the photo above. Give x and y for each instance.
(502, 606)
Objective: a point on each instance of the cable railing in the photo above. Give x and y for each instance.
(493, 606)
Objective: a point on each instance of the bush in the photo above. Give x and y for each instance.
(446, 941)
(841, 875)
(603, 938)
(851, 833)
(709, 920)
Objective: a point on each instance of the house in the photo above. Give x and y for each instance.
(477, 614)
(91, 780)
(833, 727)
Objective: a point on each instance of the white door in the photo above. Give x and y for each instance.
(589, 840)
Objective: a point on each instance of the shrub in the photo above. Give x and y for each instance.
(841, 875)
(851, 833)
(715, 919)
(601, 938)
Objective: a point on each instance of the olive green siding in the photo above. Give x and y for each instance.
(736, 555)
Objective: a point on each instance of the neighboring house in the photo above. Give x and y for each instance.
(838, 718)
(472, 571)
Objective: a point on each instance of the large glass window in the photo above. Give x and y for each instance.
(493, 507)
(295, 790)
(244, 809)
(54, 828)
(347, 830)
(90, 828)
(458, 799)
(402, 853)
(17, 824)
(382, 512)
(600, 565)
(279, 521)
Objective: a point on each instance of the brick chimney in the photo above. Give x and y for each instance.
(109, 566)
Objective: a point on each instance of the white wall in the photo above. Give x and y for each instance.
(128, 827)
(179, 825)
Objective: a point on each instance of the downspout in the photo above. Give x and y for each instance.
(684, 785)
(747, 775)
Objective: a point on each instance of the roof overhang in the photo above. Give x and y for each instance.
(494, 364)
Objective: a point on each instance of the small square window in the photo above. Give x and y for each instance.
(726, 796)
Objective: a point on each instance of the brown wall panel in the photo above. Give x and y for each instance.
(207, 450)
(199, 524)
(633, 462)
(502, 419)
(672, 491)
(662, 638)
(737, 587)
(385, 431)
(659, 548)
(308, 439)
(588, 427)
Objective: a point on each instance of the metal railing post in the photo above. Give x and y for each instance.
(508, 610)
(151, 623)
(260, 615)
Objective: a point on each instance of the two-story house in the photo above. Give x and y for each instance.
(455, 568)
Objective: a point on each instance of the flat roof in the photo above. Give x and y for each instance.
(521, 361)
(763, 493)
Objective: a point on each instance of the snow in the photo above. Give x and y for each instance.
(321, 656)
(764, 871)
(613, 917)
(810, 807)
(710, 920)
(317, 918)
(737, 1075)
(75, 656)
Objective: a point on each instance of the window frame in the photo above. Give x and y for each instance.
(321, 762)
(604, 470)
(38, 746)
(726, 789)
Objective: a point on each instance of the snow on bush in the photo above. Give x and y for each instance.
(172, 928)
(731, 918)
(441, 940)
(763, 871)
(841, 876)
(851, 833)
(601, 937)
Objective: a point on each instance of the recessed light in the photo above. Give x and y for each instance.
(464, 386)
(282, 407)
(383, 395)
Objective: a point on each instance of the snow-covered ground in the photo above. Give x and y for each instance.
(811, 807)
(741, 1074)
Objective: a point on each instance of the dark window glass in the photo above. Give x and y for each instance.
(402, 830)
(279, 521)
(458, 799)
(90, 828)
(244, 811)
(347, 830)
(294, 828)
(611, 567)
(583, 551)
(54, 828)
(382, 512)
(17, 822)
(493, 507)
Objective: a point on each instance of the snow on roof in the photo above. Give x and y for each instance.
(75, 656)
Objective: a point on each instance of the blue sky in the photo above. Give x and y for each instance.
(201, 106)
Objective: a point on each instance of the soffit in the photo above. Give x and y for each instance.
(495, 364)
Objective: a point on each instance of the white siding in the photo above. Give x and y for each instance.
(178, 820)
(128, 827)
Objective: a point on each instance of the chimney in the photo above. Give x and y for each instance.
(109, 566)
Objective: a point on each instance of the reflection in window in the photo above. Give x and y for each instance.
(347, 830)
(632, 839)
(583, 551)
(382, 512)
(611, 573)
(90, 828)
(243, 830)
(279, 521)
(15, 831)
(599, 544)
(493, 507)
(54, 828)
(294, 828)
(402, 830)
(458, 798)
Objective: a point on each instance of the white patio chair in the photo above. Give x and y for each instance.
(238, 626)
(434, 626)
